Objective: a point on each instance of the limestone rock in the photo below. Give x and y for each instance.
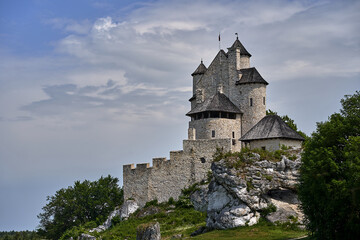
(128, 207)
(150, 231)
(236, 197)
(199, 198)
(84, 236)
(148, 211)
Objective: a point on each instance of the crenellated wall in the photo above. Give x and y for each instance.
(166, 178)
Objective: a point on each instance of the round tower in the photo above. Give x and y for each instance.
(197, 74)
(252, 97)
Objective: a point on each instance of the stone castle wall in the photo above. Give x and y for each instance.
(275, 144)
(166, 178)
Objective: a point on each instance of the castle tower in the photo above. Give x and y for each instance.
(229, 97)
(197, 74)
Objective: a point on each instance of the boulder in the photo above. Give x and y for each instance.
(124, 211)
(199, 198)
(236, 197)
(148, 231)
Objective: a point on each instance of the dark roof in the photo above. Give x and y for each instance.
(250, 75)
(201, 69)
(237, 44)
(271, 126)
(219, 102)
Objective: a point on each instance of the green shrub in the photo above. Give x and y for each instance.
(266, 211)
(268, 177)
(184, 202)
(171, 201)
(189, 190)
(151, 203)
(115, 221)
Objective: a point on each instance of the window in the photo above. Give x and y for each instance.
(213, 133)
(202, 160)
(264, 100)
(233, 134)
(233, 141)
(263, 148)
(214, 114)
(251, 102)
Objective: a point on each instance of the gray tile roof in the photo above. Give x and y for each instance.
(250, 75)
(217, 103)
(237, 44)
(201, 69)
(271, 126)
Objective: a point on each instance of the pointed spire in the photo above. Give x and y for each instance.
(201, 69)
(238, 44)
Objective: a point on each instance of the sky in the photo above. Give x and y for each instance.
(87, 86)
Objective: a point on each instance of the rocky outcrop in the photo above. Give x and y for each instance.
(84, 236)
(128, 207)
(148, 231)
(199, 198)
(237, 196)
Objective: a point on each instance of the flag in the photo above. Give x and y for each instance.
(219, 37)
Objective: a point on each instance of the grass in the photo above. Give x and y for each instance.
(184, 221)
(262, 230)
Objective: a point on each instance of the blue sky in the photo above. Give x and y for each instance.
(87, 86)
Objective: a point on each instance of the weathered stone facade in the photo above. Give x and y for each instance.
(274, 144)
(166, 178)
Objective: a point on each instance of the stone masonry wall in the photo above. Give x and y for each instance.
(166, 178)
(275, 144)
(223, 128)
(241, 95)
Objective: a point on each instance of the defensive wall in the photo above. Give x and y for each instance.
(167, 177)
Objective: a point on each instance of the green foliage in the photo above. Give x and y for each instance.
(151, 203)
(266, 211)
(184, 202)
(171, 201)
(21, 235)
(184, 220)
(76, 205)
(209, 176)
(115, 221)
(249, 185)
(330, 175)
(189, 190)
(246, 156)
(268, 177)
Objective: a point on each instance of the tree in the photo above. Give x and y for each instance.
(330, 175)
(85, 201)
(290, 122)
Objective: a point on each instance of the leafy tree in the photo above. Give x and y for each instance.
(288, 121)
(330, 175)
(85, 201)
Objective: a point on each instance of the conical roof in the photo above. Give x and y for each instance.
(201, 69)
(271, 126)
(238, 44)
(217, 103)
(250, 75)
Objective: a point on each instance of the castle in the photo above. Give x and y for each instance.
(228, 111)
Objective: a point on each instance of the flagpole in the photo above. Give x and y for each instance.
(219, 42)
